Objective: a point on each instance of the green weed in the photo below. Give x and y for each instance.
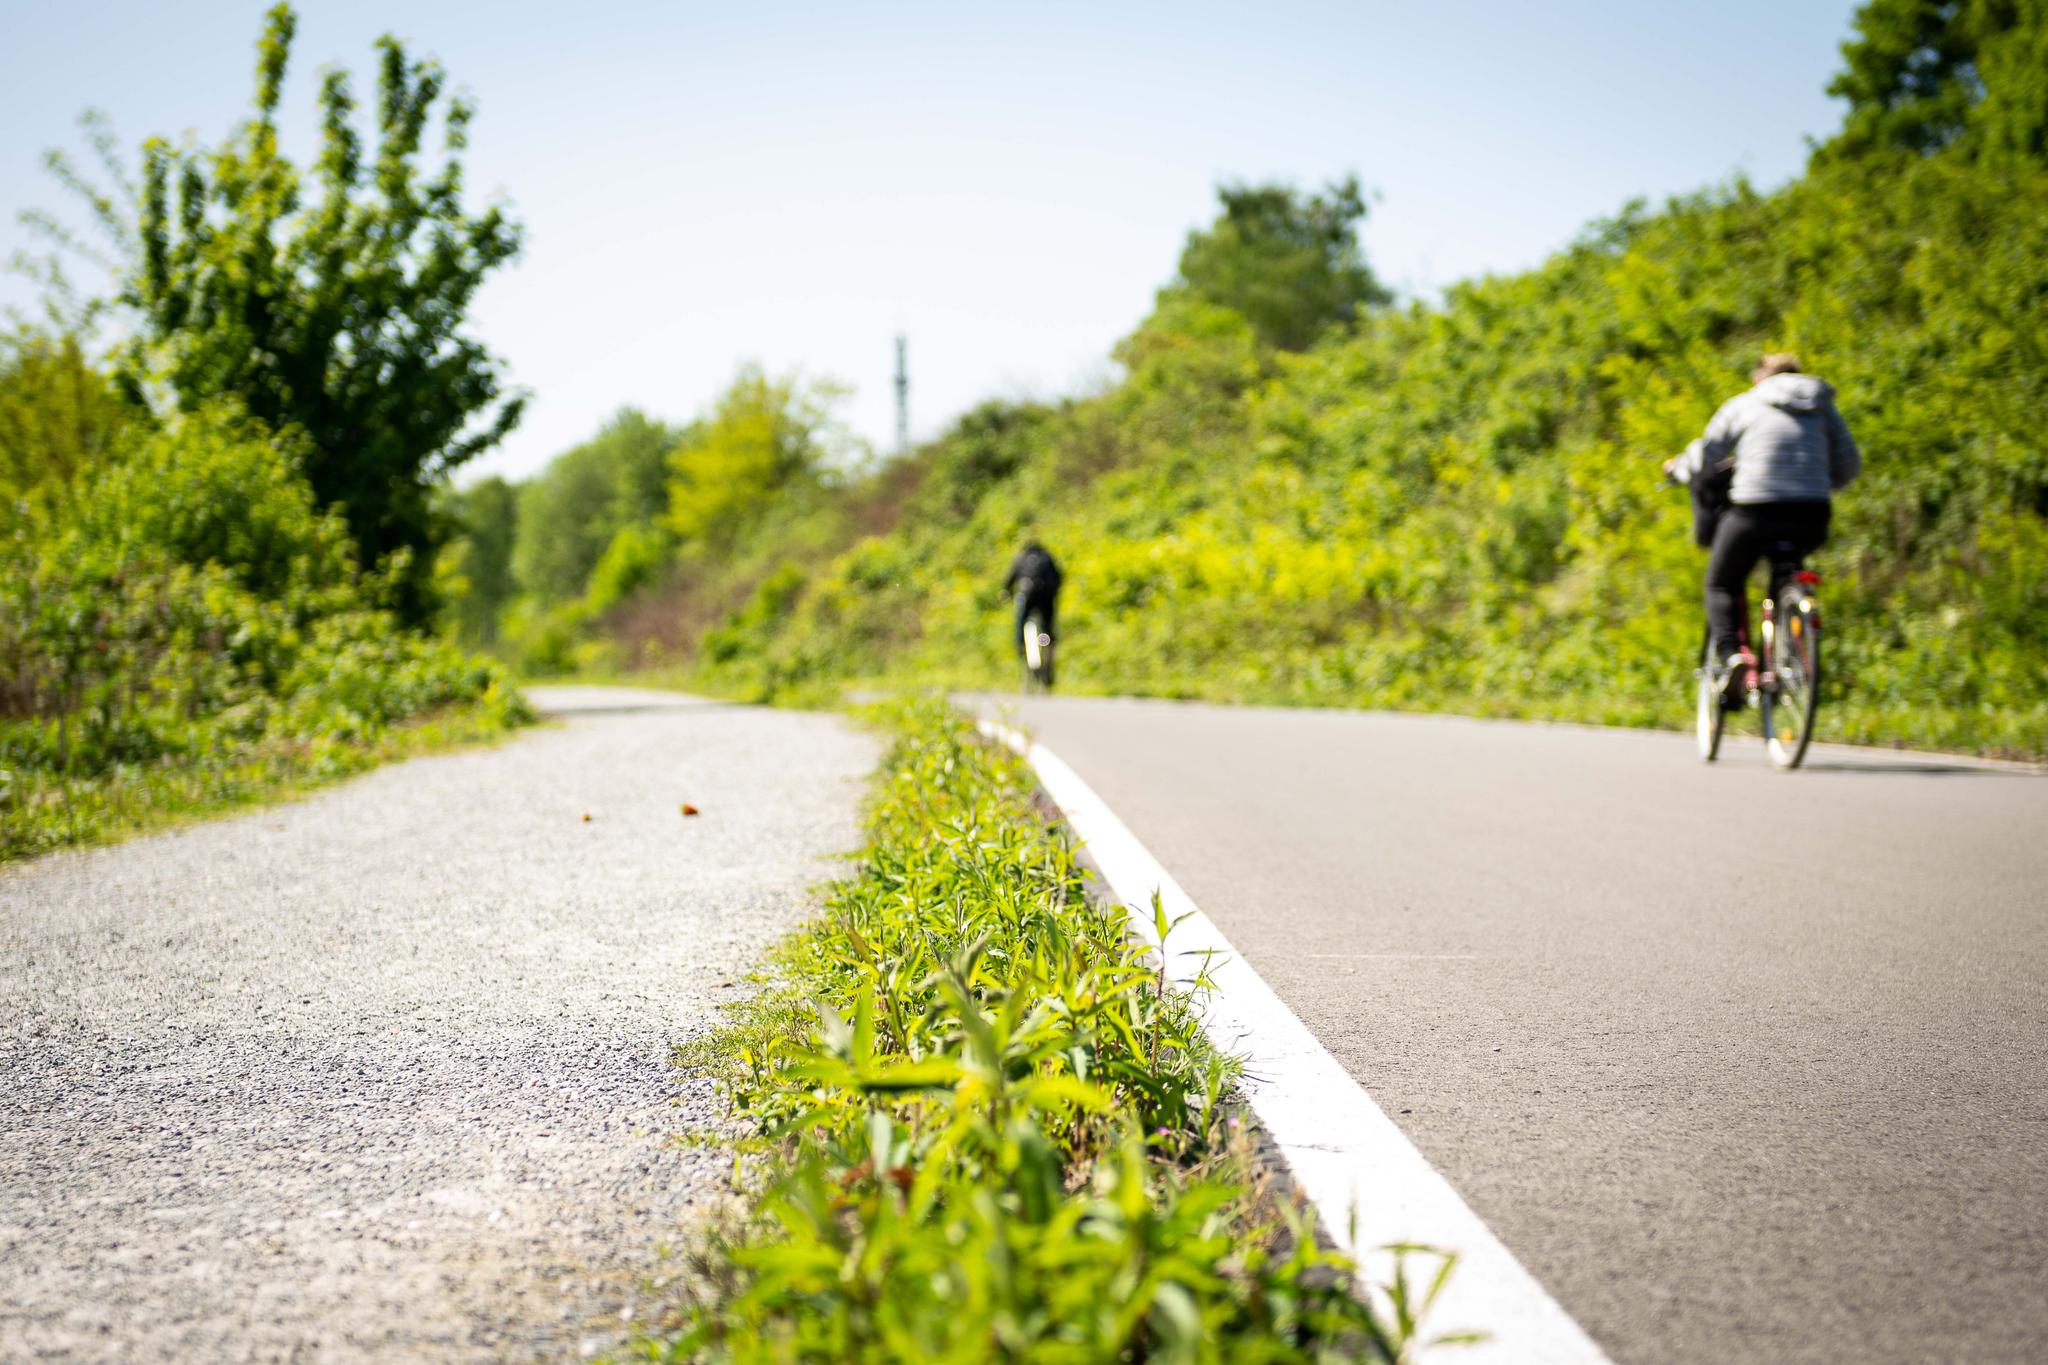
(983, 1130)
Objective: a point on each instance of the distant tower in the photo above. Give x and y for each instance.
(902, 396)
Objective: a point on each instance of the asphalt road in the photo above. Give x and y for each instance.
(386, 1074)
(1742, 1065)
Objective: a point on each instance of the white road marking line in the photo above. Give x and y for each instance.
(1369, 1183)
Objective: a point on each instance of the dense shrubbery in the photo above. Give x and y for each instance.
(987, 1131)
(1455, 504)
(217, 546)
(542, 569)
(59, 415)
(184, 628)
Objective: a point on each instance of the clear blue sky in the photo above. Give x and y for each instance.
(794, 183)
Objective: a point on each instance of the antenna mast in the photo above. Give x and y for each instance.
(902, 395)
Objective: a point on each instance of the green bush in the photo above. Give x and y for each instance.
(191, 630)
(59, 416)
(571, 512)
(635, 558)
(541, 641)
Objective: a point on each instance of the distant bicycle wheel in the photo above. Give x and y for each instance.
(1037, 654)
(1710, 716)
(1790, 705)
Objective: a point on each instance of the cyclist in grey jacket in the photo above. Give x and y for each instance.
(1784, 449)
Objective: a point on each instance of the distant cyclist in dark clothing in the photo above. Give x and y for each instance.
(1780, 450)
(1034, 582)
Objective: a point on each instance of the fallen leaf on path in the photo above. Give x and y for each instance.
(689, 809)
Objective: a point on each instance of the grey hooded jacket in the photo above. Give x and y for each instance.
(1787, 442)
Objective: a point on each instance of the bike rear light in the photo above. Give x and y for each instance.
(1806, 576)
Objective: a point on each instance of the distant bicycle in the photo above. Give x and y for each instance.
(1038, 647)
(1783, 684)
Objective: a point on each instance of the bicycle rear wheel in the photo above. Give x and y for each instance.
(1710, 716)
(1037, 654)
(1790, 705)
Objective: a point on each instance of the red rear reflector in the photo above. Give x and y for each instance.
(1806, 576)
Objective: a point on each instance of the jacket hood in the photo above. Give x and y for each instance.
(1795, 392)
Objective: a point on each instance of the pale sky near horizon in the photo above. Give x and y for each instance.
(795, 183)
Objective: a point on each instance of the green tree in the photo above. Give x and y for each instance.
(635, 449)
(764, 435)
(59, 416)
(487, 517)
(2012, 119)
(571, 511)
(1288, 261)
(1921, 74)
(633, 560)
(334, 303)
(563, 524)
(212, 487)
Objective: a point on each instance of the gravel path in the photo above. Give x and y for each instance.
(385, 1073)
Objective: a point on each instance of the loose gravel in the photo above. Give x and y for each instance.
(386, 1074)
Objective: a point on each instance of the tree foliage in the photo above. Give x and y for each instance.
(763, 435)
(641, 503)
(1920, 74)
(59, 415)
(634, 558)
(570, 511)
(486, 520)
(333, 302)
(1288, 261)
(194, 631)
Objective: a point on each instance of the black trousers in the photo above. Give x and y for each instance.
(1044, 604)
(1784, 532)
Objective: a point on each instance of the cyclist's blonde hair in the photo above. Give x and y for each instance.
(1775, 362)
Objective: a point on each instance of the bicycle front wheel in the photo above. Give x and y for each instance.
(1794, 699)
(1710, 714)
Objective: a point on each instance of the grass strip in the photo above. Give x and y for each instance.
(981, 1127)
(42, 811)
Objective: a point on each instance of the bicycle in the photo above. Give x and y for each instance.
(1038, 645)
(1784, 684)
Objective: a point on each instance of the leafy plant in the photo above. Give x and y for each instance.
(986, 1129)
(196, 633)
(59, 416)
(571, 512)
(1288, 263)
(477, 564)
(335, 303)
(763, 436)
(1918, 72)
